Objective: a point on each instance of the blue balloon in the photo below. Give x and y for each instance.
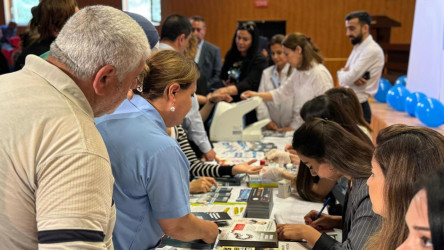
(396, 97)
(430, 111)
(401, 80)
(411, 101)
(383, 87)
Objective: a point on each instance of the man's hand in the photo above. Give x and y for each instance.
(360, 81)
(346, 68)
(246, 168)
(202, 185)
(210, 155)
(248, 94)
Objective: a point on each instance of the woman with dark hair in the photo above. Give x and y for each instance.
(425, 216)
(348, 99)
(329, 151)
(403, 155)
(309, 79)
(47, 20)
(313, 188)
(243, 65)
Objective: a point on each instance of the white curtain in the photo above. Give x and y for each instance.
(426, 63)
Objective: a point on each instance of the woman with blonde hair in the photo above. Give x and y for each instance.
(309, 79)
(151, 172)
(402, 156)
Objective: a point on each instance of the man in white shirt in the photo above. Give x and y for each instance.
(56, 181)
(208, 55)
(176, 30)
(365, 63)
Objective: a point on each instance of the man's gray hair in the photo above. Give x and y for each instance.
(97, 36)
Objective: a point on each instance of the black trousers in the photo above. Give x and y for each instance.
(367, 111)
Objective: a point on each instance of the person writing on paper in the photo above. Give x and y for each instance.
(309, 79)
(151, 172)
(313, 188)
(425, 216)
(403, 155)
(330, 151)
(200, 168)
(281, 115)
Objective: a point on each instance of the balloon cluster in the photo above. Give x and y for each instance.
(429, 111)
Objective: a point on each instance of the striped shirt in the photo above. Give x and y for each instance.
(359, 221)
(198, 167)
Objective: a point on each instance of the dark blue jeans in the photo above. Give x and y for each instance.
(367, 111)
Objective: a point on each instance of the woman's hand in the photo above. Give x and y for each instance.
(289, 149)
(278, 156)
(248, 94)
(215, 97)
(298, 232)
(227, 82)
(210, 155)
(285, 129)
(273, 173)
(324, 222)
(202, 185)
(246, 168)
(272, 126)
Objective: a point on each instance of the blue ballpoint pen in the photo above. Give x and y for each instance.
(320, 212)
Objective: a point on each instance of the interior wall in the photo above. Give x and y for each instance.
(322, 20)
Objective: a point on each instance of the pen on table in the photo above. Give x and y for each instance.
(323, 207)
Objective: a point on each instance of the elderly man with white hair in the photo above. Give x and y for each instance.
(56, 182)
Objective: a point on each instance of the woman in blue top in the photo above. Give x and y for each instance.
(151, 189)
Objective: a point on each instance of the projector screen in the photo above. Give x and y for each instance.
(426, 62)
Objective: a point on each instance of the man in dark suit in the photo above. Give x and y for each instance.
(208, 55)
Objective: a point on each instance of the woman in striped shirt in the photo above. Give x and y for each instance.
(200, 168)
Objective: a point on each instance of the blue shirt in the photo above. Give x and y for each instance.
(150, 170)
